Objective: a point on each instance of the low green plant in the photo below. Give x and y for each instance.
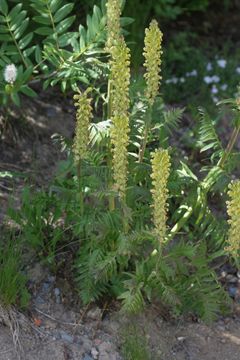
(40, 223)
(134, 345)
(13, 290)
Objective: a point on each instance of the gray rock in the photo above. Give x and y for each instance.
(231, 279)
(94, 353)
(87, 357)
(86, 344)
(105, 347)
(232, 291)
(66, 337)
(57, 293)
(94, 314)
(39, 300)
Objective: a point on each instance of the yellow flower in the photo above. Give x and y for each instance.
(113, 23)
(160, 174)
(233, 209)
(152, 53)
(83, 118)
(120, 78)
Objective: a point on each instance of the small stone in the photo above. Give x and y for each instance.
(105, 347)
(39, 300)
(86, 344)
(238, 274)
(97, 342)
(94, 353)
(57, 292)
(94, 314)
(181, 338)
(46, 286)
(232, 291)
(66, 337)
(231, 279)
(87, 357)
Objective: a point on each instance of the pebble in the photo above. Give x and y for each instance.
(66, 337)
(87, 357)
(105, 347)
(232, 291)
(94, 314)
(231, 279)
(94, 353)
(39, 300)
(181, 338)
(57, 293)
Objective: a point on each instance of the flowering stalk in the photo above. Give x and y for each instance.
(81, 139)
(152, 53)
(120, 78)
(113, 23)
(233, 209)
(160, 174)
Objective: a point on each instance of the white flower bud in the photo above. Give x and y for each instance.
(10, 73)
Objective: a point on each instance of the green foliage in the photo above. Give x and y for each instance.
(61, 56)
(134, 345)
(12, 281)
(39, 219)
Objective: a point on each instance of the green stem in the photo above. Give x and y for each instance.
(145, 134)
(230, 146)
(16, 44)
(111, 200)
(178, 226)
(53, 26)
(80, 187)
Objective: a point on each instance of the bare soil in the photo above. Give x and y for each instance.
(54, 329)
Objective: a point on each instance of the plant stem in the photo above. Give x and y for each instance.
(145, 135)
(111, 200)
(175, 229)
(80, 187)
(230, 145)
(16, 44)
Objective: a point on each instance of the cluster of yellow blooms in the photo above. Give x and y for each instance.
(113, 23)
(233, 209)
(83, 117)
(160, 174)
(152, 54)
(120, 77)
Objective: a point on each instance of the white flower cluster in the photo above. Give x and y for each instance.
(10, 73)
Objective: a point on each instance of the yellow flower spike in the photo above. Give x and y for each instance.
(233, 209)
(113, 23)
(83, 118)
(160, 174)
(152, 53)
(120, 77)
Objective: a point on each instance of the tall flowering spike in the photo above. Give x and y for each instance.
(120, 77)
(83, 118)
(233, 209)
(113, 23)
(152, 53)
(160, 174)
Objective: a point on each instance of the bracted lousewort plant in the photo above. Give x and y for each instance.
(233, 209)
(81, 139)
(160, 174)
(152, 54)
